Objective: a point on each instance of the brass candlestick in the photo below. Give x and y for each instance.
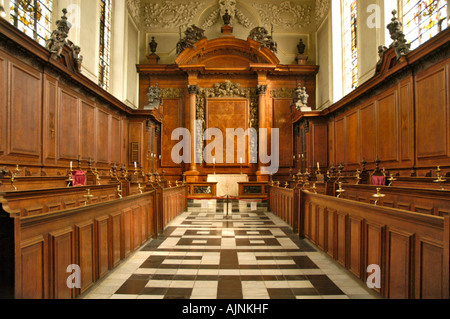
(13, 177)
(88, 196)
(378, 196)
(286, 185)
(278, 183)
(140, 188)
(314, 188)
(69, 179)
(439, 179)
(119, 191)
(170, 184)
(391, 179)
(340, 190)
(97, 176)
(358, 177)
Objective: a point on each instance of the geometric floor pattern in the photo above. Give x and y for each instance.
(248, 253)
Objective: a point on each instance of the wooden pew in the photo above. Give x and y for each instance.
(96, 238)
(174, 203)
(424, 201)
(412, 249)
(281, 203)
(42, 201)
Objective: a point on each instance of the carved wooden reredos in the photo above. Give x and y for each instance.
(226, 82)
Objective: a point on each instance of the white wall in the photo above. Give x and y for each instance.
(373, 17)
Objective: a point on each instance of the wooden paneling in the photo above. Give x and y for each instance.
(339, 141)
(116, 140)
(115, 241)
(136, 135)
(88, 132)
(137, 226)
(103, 136)
(25, 111)
(62, 258)
(341, 238)
(126, 233)
(368, 129)
(173, 119)
(399, 264)
(102, 233)
(282, 110)
(374, 248)
(3, 101)
(388, 127)
(352, 139)
(406, 110)
(50, 118)
(318, 152)
(408, 248)
(33, 269)
(430, 277)
(432, 114)
(226, 114)
(85, 241)
(356, 245)
(68, 126)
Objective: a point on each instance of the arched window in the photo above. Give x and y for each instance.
(422, 20)
(105, 43)
(350, 45)
(33, 17)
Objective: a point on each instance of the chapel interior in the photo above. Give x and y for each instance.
(224, 149)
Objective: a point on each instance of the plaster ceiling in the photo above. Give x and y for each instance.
(170, 16)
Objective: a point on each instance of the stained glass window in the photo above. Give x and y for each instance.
(105, 43)
(422, 20)
(33, 17)
(350, 45)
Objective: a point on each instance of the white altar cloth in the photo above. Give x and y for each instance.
(227, 184)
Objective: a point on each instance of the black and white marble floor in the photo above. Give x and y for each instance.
(205, 254)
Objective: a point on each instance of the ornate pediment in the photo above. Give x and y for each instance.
(227, 53)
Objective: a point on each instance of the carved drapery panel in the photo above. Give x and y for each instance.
(283, 93)
(172, 93)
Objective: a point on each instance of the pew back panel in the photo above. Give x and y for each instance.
(408, 247)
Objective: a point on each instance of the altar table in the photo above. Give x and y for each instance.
(227, 184)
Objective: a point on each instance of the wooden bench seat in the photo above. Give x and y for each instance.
(41, 201)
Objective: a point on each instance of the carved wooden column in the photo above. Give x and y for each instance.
(263, 145)
(192, 174)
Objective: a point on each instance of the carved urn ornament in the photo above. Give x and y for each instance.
(153, 45)
(400, 44)
(226, 18)
(154, 98)
(301, 47)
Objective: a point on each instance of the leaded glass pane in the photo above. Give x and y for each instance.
(350, 45)
(422, 20)
(33, 17)
(105, 43)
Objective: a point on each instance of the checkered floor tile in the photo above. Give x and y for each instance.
(207, 253)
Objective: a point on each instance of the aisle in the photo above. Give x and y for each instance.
(246, 255)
